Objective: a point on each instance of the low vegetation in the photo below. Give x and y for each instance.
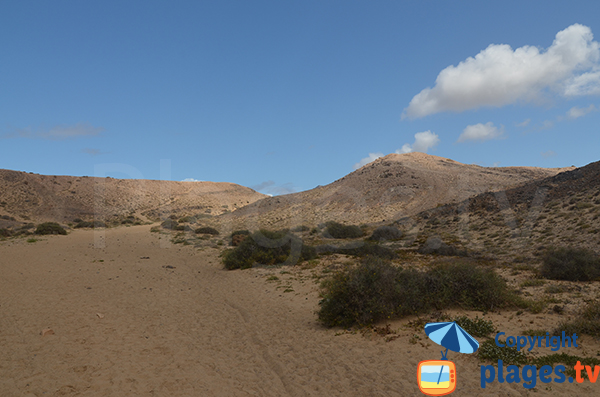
(476, 327)
(573, 264)
(207, 230)
(50, 228)
(267, 248)
(361, 250)
(172, 224)
(386, 233)
(586, 322)
(337, 230)
(377, 290)
(89, 224)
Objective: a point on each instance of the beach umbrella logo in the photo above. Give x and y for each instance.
(438, 377)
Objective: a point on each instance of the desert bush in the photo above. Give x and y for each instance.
(376, 290)
(301, 228)
(267, 248)
(384, 233)
(172, 224)
(207, 230)
(89, 224)
(238, 236)
(586, 322)
(362, 250)
(5, 233)
(573, 264)
(337, 230)
(50, 228)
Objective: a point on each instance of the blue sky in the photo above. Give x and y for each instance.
(286, 95)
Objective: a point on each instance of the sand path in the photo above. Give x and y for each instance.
(177, 324)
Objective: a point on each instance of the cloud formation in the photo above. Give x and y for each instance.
(481, 132)
(575, 112)
(191, 180)
(369, 159)
(499, 75)
(423, 142)
(57, 133)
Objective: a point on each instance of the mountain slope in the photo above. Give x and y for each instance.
(563, 210)
(391, 187)
(27, 196)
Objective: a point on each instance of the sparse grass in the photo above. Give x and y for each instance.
(587, 322)
(268, 248)
(32, 240)
(50, 228)
(377, 290)
(536, 282)
(573, 264)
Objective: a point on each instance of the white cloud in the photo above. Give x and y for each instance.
(499, 75)
(481, 132)
(525, 123)
(372, 157)
(548, 154)
(423, 142)
(575, 112)
(191, 180)
(585, 84)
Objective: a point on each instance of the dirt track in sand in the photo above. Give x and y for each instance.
(190, 330)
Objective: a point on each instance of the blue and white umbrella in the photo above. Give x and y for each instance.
(451, 336)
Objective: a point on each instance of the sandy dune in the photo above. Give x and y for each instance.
(127, 326)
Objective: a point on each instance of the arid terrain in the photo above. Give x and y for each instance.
(32, 197)
(146, 310)
(387, 189)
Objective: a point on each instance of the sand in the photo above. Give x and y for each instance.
(144, 317)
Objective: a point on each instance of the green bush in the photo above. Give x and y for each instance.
(376, 290)
(50, 228)
(337, 230)
(573, 264)
(476, 327)
(384, 233)
(489, 351)
(207, 230)
(268, 248)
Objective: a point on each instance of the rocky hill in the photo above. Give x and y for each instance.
(387, 189)
(35, 198)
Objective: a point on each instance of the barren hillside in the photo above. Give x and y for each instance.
(389, 188)
(34, 197)
(563, 210)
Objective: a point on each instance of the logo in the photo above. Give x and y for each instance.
(438, 377)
